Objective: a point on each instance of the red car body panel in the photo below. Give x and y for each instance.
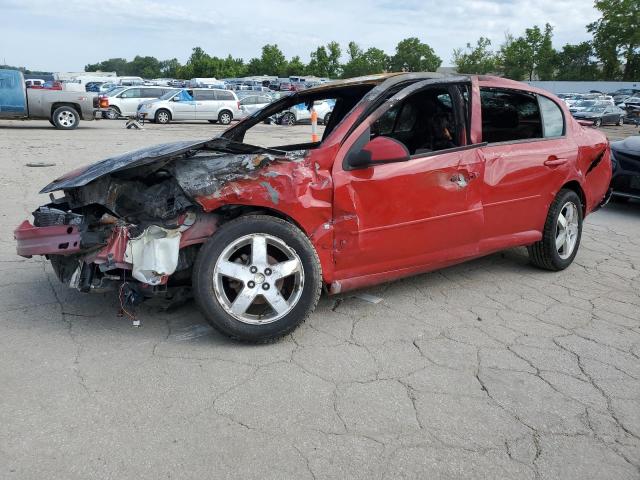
(391, 220)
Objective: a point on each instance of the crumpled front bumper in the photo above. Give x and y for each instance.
(55, 239)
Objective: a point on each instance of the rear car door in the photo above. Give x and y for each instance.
(525, 161)
(425, 211)
(205, 104)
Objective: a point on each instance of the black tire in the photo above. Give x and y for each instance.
(162, 116)
(326, 118)
(225, 117)
(288, 119)
(212, 121)
(620, 121)
(65, 118)
(598, 122)
(544, 254)
(113, 113)
(203, 278)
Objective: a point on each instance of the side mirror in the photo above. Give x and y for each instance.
(379, 150)
(175, 99)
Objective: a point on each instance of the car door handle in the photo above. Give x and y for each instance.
(554, 161)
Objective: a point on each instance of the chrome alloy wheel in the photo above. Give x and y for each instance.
(67, 118)
(258, 279)
(163, 117)
(567, 230)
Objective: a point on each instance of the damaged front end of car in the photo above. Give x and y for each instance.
(133, 223)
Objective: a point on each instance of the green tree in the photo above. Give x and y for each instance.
(479, 59)
(169, 68)
(616, 35)
(118, 65)
(325, 61)
(576, 62)
(295, 67)
(529, 56)
(146, 67)
(414, 56)
(319, 63)
(334, 52)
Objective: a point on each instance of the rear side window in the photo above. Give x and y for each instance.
(151, 92)
(552, 119)
(131, 93)
(248, 101)
(224, 95)
(509, 115)
(204, 95)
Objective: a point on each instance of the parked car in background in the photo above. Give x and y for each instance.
(93, 86)
(107, 86)
(34, 83)
(124, 102)
(52, 85)
(64, 110)
(602, 115)
(214, 105)
(408, 177)
(625, 160)
(130, 81)
(622, 93)
(301, 114)
(250, 104)
(584, 104)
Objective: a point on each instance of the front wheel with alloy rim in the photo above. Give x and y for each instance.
(620, 121)
(65, 118)
(598, 122)
(225, 117)
(561, 235)
(257, 278)
(163, 116)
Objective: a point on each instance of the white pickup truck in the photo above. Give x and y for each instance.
(64, 110)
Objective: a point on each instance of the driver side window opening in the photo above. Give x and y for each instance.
(424, 122)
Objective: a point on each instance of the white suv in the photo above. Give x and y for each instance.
(299, 113)
(212, 104)
(124, 102)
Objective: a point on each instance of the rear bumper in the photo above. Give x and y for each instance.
(56, 239)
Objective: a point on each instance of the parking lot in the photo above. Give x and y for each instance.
(490, 369)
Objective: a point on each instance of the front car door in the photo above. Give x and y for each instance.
(524, 158)
(184, 106)
(129, 100)
(398, 218)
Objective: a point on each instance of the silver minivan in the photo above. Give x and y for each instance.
(212, 104)
(125, 101)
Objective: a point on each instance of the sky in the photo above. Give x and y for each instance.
(65, 35)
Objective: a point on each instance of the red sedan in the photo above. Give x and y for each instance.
(413, 172)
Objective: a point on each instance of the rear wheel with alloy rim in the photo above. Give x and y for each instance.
(620, 121)
(598, 122)
(65, 118)
(225, 117)
(562, 233)
(257, 278)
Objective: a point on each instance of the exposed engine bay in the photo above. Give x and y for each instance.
(134, 222)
